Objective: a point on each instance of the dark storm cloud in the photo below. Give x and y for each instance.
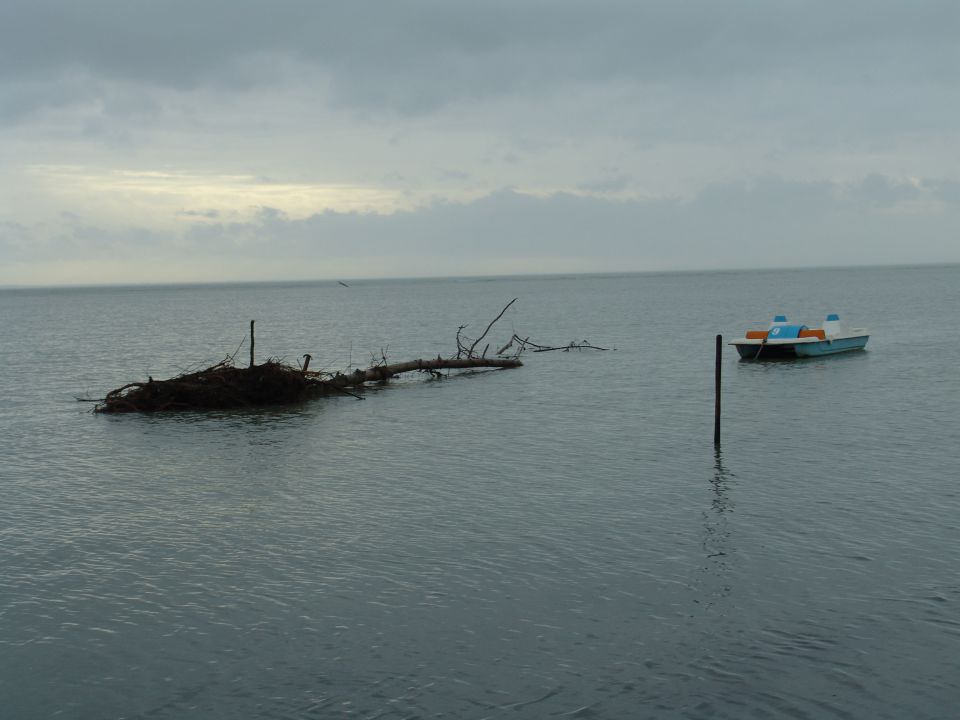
(21, 95)
(418, 55)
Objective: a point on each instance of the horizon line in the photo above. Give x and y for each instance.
(415, 278)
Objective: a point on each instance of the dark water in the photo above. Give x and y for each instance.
(555, 541)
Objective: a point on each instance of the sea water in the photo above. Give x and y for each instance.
(559, 540)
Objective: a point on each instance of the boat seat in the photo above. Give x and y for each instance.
(814, 332)
(756, 334)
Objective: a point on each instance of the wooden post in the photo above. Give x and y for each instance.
(251, 342)
(716, 408)
(306, 362)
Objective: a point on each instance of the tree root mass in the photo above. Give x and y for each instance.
(226, 386)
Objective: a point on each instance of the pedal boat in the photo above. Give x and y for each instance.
(785, 339)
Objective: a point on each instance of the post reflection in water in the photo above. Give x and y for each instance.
(717, 533)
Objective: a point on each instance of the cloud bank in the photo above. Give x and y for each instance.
(366, 138)
(765, 223)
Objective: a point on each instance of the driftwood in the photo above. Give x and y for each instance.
(524, 343)
(218, 387)
(225, 385)
(468, 352)
(379, 373)
(519, 344)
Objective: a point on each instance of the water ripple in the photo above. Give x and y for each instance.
(560, 541)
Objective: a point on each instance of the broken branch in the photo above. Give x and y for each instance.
(492, 322)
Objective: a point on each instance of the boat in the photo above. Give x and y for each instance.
(786, 339)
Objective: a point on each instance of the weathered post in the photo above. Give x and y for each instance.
(306, 362)
(251, 342)
(716, 406)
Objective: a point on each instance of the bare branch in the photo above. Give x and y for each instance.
(477, 341)
(461, 350)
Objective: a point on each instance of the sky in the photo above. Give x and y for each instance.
(226, 140)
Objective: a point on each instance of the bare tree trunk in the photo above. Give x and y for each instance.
(379, 373)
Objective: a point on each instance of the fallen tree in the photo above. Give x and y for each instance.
(224, 385)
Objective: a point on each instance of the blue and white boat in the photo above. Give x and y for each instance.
(786, 339)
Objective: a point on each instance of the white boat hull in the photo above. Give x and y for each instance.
(799, 347)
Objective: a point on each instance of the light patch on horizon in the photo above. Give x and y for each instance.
(170, 198)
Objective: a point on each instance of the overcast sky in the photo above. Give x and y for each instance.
(232, 140)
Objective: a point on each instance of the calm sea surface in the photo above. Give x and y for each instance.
(559, 540)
